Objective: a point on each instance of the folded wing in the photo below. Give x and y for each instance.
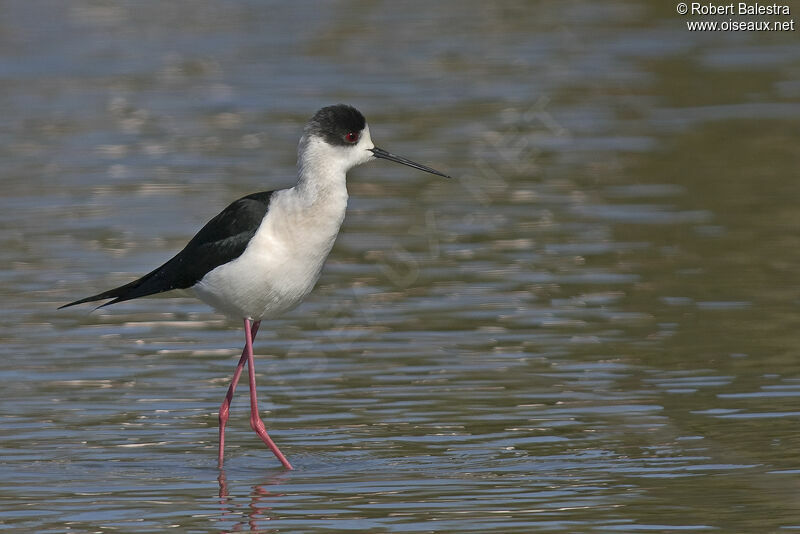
(223, 239)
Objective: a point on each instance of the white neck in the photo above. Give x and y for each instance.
(321, 174)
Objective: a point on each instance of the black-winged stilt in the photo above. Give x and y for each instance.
(263, 254)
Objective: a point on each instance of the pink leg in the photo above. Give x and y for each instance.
(224, 409)
(255, 420)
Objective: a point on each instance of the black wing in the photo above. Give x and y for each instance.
(224, 238)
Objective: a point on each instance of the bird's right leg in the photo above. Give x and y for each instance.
(224, 409)
(255, 419)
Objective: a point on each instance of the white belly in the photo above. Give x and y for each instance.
(280, 265)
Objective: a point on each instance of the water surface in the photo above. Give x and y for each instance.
(592, 329)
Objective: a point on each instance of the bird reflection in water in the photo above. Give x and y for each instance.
(257, 511)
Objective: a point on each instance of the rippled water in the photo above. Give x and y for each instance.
(593, 328)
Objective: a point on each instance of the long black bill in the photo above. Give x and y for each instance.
(381, 153)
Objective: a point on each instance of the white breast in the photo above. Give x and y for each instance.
(284, 258)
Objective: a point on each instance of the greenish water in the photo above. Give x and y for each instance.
(592, 329)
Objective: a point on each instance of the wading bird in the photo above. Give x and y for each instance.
(263, 254)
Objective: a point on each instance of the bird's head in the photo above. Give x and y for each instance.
(338, 137)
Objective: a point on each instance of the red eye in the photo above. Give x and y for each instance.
(351, 137)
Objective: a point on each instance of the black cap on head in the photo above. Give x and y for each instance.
(333, 123)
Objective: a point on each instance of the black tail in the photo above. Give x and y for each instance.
(165, 278)
(129, 291)
(118, 294)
